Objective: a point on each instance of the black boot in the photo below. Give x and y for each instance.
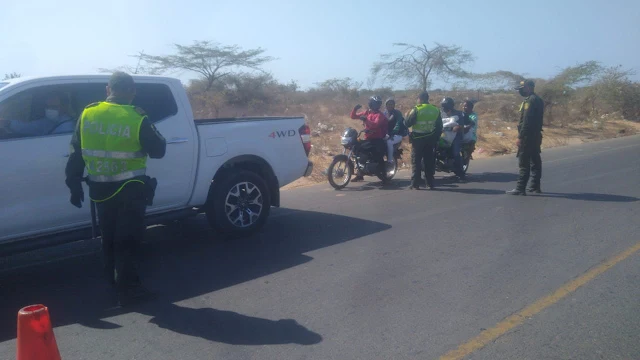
(534, 189)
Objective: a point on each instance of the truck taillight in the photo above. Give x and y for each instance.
(305, 136)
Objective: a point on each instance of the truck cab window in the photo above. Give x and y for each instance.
(155, 99)
(36, 112)
(54, 110)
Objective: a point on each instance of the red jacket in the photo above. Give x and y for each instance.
(376, 122)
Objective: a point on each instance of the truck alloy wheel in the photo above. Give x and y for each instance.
(243, 204)
(240, 204)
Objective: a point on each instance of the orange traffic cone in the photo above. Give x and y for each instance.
(35, 335)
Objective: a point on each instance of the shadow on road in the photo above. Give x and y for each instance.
(588, 197)
(441, 180)
(486, 177)
(469, 191)
(394, 184)
(181, 265)
(229, 327)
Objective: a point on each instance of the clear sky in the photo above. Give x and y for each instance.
(317, 40)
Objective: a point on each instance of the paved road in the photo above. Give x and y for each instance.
(377, 273)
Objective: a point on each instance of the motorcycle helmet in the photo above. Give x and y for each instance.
(375, 102)
(447, 103)
(349, 137)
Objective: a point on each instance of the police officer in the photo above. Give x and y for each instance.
(529, 139)
(112, 140)
(425, 122)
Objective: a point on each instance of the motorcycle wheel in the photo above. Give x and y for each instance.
(392, 170)
(345, 174)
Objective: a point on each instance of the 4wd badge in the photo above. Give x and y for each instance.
(282, 134)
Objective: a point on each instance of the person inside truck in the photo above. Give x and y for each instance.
(376, 126)
(55, 121)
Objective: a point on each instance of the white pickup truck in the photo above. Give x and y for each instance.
(230, 169)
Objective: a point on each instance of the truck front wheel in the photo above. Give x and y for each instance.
(240, 204)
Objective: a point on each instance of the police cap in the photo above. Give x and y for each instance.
(527, 82)
(121, 82)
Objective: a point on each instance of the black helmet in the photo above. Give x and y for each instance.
(375, 102)
(447, 103)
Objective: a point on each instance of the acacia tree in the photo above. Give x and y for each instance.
(140, 68)
(415, 65)
(209, 59)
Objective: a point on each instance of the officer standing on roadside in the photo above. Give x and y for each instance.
(113, 139)
(529, 139)
(425, 122)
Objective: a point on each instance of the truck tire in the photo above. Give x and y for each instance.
(240, 204)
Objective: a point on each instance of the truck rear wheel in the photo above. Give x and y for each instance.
(240, 204)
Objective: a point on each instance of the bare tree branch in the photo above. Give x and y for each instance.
(13, 75)
(413, 65)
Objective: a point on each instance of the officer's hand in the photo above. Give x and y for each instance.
(77, 198)
(518, 142)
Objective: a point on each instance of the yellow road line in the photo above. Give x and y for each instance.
(489, 335)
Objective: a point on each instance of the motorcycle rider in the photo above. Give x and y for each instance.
(448, 108)
(471, 127)
(397, 130)
(425, 122)
(376, 128)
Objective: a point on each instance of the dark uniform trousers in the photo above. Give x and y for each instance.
(121, 221)
(422, 152)
(530, 164)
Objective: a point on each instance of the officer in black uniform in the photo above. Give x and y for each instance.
(529, 139)
(121, 205)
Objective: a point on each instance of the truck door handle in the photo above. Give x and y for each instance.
(177, 140)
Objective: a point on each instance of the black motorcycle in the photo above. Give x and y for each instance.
(445, 160)
(354, 157)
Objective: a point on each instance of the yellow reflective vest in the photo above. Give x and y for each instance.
(110, 142)
(426, 116)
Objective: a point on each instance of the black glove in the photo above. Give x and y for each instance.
(77, 195)
(357, 107)
(77, 198)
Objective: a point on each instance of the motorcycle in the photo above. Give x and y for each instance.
(354, 157)
(443, 153)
